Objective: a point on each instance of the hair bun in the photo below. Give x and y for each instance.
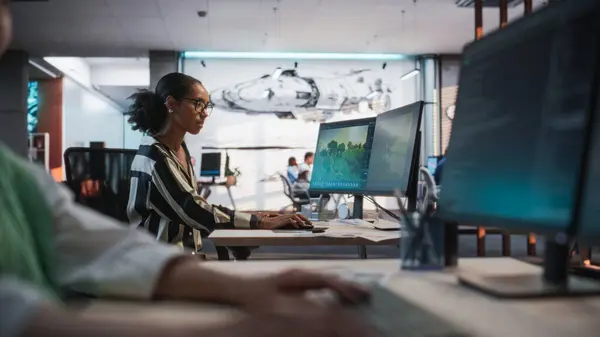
(147, 113)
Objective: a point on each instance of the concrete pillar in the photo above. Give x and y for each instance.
(14, 78)
(162, 62)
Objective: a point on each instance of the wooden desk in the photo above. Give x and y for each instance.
(437, 292)
(259, 237)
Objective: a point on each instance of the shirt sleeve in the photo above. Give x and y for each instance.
(19, 303)
(183, 201)
(97, 255)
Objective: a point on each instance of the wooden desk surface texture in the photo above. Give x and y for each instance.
(438, 292)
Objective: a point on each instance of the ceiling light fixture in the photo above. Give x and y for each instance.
(43, 69)
(296, 56)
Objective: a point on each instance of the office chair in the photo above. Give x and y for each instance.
(99, 178)
(297, 199)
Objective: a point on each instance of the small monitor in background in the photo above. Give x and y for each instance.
(432, 163)
(526, 102)
(393, 148)
(210, 164)
(342, 156)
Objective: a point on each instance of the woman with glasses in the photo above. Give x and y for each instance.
(163, 196)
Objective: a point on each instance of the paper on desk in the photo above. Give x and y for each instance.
(364, 233)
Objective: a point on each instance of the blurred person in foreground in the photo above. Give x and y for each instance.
(49, 245)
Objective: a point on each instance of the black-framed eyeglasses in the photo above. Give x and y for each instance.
(200, 105)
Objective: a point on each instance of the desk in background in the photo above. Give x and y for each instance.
(336, 235)
(204, 188)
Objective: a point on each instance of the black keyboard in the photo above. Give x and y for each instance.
(393, 316)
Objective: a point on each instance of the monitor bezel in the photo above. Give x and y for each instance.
(346, 123)
(417, 109)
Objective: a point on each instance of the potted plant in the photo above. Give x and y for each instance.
(231, 175)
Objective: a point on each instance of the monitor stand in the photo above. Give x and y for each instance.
(357, 210)
(554, 282)
(357, 213)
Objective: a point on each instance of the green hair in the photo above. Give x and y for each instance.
(26, 226)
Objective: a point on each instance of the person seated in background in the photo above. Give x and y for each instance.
(292, 170)
(301, 185)
(300, 188)
(307, 165)
(163, 196)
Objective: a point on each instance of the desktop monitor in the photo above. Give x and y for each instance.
(432, 163)
(210, 164)
(589, 225)
(394, 142)
(518, 141)
(342, 156)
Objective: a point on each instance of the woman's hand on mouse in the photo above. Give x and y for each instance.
(286, 220)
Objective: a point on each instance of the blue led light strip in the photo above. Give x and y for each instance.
(293, 56)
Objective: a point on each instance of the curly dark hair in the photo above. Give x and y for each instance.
(148, 112)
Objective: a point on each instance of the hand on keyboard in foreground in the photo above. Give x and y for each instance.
(262, 292)
(300, 318)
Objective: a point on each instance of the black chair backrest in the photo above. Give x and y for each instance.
(287, 187)
(99, 178)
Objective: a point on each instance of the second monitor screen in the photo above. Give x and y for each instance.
(342, 156)
(392, 150)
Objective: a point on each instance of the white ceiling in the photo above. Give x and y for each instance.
(132, 27)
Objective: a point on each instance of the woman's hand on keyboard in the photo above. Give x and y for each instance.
(286, 220)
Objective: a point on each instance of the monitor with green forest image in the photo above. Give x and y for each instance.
(342, 156)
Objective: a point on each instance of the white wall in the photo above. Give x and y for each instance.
(225, 128)
(121, 72)
(87, 117)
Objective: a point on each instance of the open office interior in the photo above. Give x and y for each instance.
(371, 139)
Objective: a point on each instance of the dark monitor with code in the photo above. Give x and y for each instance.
(210, 165)
(589, 225)
(342, 156)
(517, 155)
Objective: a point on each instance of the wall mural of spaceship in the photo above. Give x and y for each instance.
(288, 95)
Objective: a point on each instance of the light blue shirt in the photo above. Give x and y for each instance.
(292, 174)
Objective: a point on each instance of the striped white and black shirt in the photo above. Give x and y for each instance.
(164, 199)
